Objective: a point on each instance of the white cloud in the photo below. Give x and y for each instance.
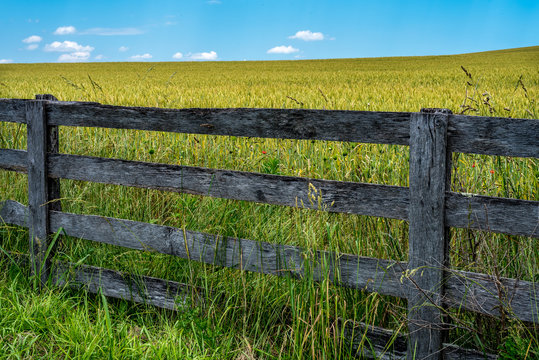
(212, 55)
(177, 56)
(99, 57)
(67, 46)
(112, 31)
(6, 61)
(141, 57)
(307, 35)
(65, 30)
(214, 2)
(123, 48)
(282, 50)
(74, 56)
(32, 39)
(32, 47)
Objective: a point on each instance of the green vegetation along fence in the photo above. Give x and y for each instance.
(426, 281)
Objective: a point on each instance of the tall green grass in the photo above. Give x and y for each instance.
(250, 315)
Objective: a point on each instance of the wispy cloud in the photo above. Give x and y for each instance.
(214, 2)
(123, 48)
(65, 30)
(308, 35)
(112, 31)
(177, 56)
(32, 39)
(141, 57)
(77, 56)
(67, 46)
(212, 55)
(6, 61)
(99, 57)
(282, 50)
(32, 47)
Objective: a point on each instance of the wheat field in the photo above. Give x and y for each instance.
(246, 315)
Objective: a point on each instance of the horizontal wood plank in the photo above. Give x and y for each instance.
(373, 342)
(13, 110)
(493, 135)
(486, 294)
(472, 291)
(347, 270)
(336, 196)
(468, 134)
(501, 215)
(141, 289)
(336, 125)
(14, 160)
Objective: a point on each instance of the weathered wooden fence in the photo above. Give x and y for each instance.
(428, 205)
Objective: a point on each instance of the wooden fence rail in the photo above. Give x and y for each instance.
(428, 205)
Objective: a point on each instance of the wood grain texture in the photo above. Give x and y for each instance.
(337, 196)
(493, 135)
(472, 291)
(489, 295)
(274, 259)
(426, 236)
(14, 160)
(13, 110)
(468, 134)
(141, 289)
(360, 126)
(372, 342)
(53, 147)
(37, 187)
(501, 215)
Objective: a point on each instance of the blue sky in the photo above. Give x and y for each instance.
(201, 30)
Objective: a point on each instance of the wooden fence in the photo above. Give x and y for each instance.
(428, 205)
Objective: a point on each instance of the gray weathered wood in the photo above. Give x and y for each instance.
(13, 160)
(141, 289)
(493, 135)
(501, 215)
(453, 352)
(372, 342)
(13, 110)
(37, 188)
(472, 291)
(489, 295)
(426, 254)
(339, 125)
(337, 196)
(53, 147)
(347, 270)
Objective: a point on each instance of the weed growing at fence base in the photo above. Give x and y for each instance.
(250, 315)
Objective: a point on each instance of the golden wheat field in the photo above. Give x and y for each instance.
(262, 312)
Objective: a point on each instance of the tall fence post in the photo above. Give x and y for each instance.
(40, 190)
(427, 254)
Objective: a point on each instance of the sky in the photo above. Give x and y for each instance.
(225, 30)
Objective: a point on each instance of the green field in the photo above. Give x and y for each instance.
(246, 315)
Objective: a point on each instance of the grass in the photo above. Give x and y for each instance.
(249, 315)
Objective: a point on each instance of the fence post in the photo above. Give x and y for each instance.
(40, 189)
(427, 241)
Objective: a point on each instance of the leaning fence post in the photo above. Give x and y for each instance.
(427, 254)
(40, 190)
